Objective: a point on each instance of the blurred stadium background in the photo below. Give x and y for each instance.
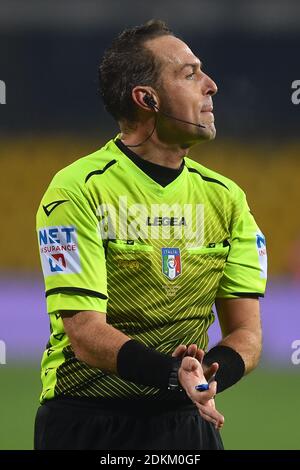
(49, 53)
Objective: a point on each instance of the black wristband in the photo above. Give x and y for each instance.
(231, 366)
(144, 366)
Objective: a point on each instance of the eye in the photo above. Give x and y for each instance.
(191, 76)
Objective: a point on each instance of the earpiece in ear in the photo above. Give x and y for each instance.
(149, 101)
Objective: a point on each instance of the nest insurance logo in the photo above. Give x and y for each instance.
(2, 92)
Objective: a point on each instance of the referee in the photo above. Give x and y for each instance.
(137, 242)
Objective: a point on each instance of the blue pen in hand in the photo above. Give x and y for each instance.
(204, 387)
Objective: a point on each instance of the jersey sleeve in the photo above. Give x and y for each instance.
(72, 253)
(245, 272)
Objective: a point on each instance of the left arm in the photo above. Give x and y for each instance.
(241, 328)
(242, 282)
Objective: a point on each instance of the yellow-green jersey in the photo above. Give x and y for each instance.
(153, 256)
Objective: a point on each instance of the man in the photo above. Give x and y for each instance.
(137, 243)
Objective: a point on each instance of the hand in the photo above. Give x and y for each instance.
(192, 350)
(191, 373)
(207, 413)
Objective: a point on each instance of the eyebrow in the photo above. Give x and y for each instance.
(194, 65)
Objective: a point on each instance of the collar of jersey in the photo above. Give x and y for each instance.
(173, 185)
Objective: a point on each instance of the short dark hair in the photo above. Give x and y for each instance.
(126, 64)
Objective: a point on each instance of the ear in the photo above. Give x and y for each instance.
(138, 94)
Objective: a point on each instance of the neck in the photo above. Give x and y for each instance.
(154, 150)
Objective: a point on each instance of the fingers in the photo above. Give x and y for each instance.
(213, 388)
(212, 415)
(211, 370)
(207, 408)
(195, 352)
(179, 351)
(192, 350)
(199, 355)
(189, 364)
(217, 421)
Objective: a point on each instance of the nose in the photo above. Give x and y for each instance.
(209, 86)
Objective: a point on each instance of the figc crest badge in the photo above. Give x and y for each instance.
(171, 262)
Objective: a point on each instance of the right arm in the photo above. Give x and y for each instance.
(93, 341)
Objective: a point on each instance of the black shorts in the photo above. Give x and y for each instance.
(71, 424)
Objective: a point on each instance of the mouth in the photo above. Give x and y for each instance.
(207, 109)
(207, 114)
